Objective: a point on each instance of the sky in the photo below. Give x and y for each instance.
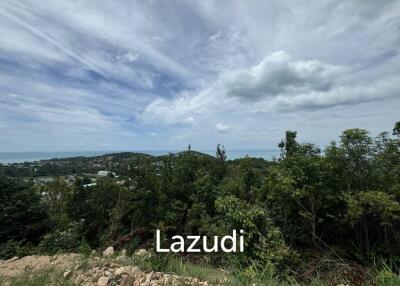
(159, 75)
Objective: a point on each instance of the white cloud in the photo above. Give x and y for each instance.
(221, 128)
(341, 95)
(189, 120)
(277, 74)
(215, 37)
(179, 109)
(277, 84)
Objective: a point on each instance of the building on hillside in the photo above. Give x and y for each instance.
(43, 180)
(105, 173)
(89, 185)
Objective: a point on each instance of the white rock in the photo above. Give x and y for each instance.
(79, 279)
(127, 280)
(103, 281)
(109, 251)
(67, 274)
(119, 271)
(141, 252)
(15, 258)
(108, 273)
(149, 276)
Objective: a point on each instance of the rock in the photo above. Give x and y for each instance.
(109, 251)
(79, 279)
(134, 272)
(119, 271)
(167, 279)
(103, 281)
(149, 277)
(105, 273)
(109, 273)
(15, 258)
(67, 274)
(141, 252)
(111, 266)
(123, 252)
(127, 280)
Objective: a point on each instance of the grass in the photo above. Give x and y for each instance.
(204, 272)
(48, 276)
(386, 277)
(379, 275)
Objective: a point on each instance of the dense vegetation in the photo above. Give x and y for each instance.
(68, 166)
(307, 213)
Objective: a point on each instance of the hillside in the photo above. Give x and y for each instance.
(330, 216)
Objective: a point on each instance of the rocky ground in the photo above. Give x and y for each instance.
(101, 270)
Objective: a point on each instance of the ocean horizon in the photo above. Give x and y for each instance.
(19, 157)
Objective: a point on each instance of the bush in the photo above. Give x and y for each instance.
(22, 215)
(264, 241)
(16, 248)
(69, 240)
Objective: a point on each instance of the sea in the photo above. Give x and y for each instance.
(19, 157)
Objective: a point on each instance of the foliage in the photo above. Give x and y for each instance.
(263, 241)
(68, 240)
(16, 248)
(22, 215)
(342, 202)
(48, 276)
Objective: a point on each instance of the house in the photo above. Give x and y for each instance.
(89, 185)
(105, 173)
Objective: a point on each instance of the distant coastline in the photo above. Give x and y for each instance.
(19, 157)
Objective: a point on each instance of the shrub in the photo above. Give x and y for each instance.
(69, 240)
(16, 248)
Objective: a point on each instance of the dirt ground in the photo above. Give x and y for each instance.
(11, 268)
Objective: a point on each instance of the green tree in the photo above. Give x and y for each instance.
(22, 215)
(289, 144)
(263, 240)
(377, 216)
(56, 196)
(396, 129)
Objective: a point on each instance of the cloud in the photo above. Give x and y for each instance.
(278, 84)
(179, 109)
(277, 74)
(221, 128)
(189, 120)
(340, 95)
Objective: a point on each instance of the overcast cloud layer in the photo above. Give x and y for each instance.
(158, 75)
